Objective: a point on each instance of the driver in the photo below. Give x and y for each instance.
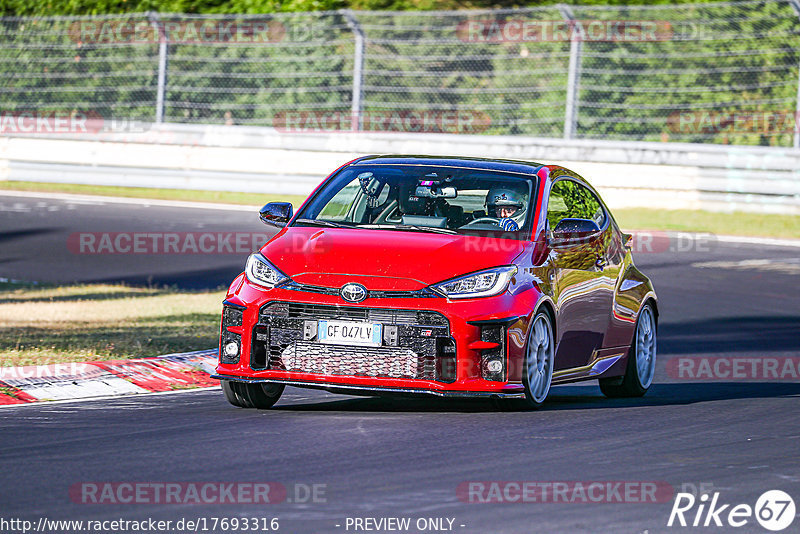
(507, 202)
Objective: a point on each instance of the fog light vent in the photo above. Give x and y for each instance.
(493, 361)
(258, 348)
(230, 347)
(445, 360)
(231, 317)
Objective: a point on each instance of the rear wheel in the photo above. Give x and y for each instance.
(641, 365)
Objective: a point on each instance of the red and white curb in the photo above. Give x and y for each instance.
(68, 381)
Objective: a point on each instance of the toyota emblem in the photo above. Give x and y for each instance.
(353, 292)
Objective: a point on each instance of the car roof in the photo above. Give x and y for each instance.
(502, 165)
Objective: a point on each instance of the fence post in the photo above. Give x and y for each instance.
(574, 71)
(357, 107)
(161, 90)
(796, 140)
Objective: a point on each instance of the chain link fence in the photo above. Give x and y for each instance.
(722, 72)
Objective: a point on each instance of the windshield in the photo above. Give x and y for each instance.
(423, 198)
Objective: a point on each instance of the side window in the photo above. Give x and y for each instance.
(571, 200)
(338, 208)
(351, 203)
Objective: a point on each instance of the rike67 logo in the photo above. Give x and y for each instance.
(774, 510)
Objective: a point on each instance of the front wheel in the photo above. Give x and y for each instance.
(641, 365)
(539, 354)
(231, 391)
(537, 368)
(258, 395)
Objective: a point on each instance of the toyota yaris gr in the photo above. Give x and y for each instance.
(453, 277)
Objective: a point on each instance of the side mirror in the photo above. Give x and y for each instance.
(570, 232)
(276, 213)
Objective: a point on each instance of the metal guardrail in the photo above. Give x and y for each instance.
(263, 160)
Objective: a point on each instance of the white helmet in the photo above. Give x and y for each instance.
(510, 198)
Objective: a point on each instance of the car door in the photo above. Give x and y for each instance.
(582, 290)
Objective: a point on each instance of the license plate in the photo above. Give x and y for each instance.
(350, 333)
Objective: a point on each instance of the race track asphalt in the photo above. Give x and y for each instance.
(378, 457)
(40, 239)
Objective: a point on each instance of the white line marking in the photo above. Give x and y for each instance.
(768, 241)
(108, 397)
(100, 200)
(786, 266)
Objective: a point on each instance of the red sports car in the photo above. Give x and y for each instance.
(455, 277)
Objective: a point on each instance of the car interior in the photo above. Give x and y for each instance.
(433, 200)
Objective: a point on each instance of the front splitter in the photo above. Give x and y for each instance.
(350, 389)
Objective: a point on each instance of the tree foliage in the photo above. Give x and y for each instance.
(714, 61)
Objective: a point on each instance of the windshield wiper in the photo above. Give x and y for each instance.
(412, 227)
(321, 222)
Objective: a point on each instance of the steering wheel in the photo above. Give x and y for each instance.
(483, 220)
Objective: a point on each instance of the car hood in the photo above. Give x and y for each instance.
(383, 259)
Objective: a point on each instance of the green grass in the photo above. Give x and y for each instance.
(59, 324)
(187, 195)
(746, 224)
(737, 223)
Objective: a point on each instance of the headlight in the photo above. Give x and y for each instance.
(261, 272)
(481, 284)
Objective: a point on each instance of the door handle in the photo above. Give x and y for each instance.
(600, 263)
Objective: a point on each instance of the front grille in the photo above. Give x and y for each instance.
(415, 342)
(387, 362)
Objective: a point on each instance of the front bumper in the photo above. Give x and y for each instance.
(473, 330)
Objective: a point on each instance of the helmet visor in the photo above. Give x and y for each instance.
(504, 211)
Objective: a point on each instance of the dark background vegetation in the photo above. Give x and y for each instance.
(722, 60)
(96, 7)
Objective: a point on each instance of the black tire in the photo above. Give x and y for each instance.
(244, 401)
(259, 395)
(536, 393)
(633, 384)
(231, 394)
